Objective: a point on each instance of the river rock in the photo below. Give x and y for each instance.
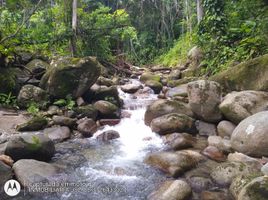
(180, 91)
(105, 81)
(255, 189)
(147, 76)
(7, 160)
(131, 88)
(64, 121)
(174, 75)
(108, 135)
(249, 75)
(204, 99)
(174, 163)
(215, 195)
(5, 173)
(107, 110)
(162, 107)
(237, 106)
(226, 172)
(172, 123)
(178, 141)
(58, 133)
(250, 136)
(35, 124)
(172, 190)
(214, 153)
(87, 127)
(71, 76)
(31, 93)
(221, 143)
(109, 122)
(154, 85)
(239, 157)
(29, 172)
(30, 146)
(88, 111)
(225, 129)
(205, 129)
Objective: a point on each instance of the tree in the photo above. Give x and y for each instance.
(199, 11)
(74, 28)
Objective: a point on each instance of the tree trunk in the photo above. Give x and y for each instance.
(199, 10)
(74, 28)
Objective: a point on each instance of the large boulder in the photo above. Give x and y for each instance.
(154, 85)
(37, 67)
(172, 190)
(30, 172)
(72, 76)
(162, 107)
(131, 88)
(249, 75)
(250, 136)
(177, 91)
(58, 133)
(172, 123)
(30, 146)
(204, 99)
(237, 106)
(107, 110)
(31, 93)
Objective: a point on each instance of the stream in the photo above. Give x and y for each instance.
(113, 170)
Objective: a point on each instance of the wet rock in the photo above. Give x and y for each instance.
(204, 99)
(30, 146)
(108, 135)
(5, 173)
(110, 122)
(34, 124)
(250, 136)
(174, 163)
(237, 106)
(222, 144)
(255, 189)
(154, 85)
(7, 160)
(28, 171)
(87, 127)
(131, 88)
(31, 93)
(105, 81)
(225, 129)
(226, 172)
(64, 121)
(177, 91)
(58, 133)
(175, 75)
(239, 157)
(162, 107)
(215, 195)
(178, 141)
(53, 110)
(214, 153)
(80, 101)
(205, 129)
(88, 111)
(172, 123)
(264, 169)
(71, 76)
(107, 110)
(172, 190)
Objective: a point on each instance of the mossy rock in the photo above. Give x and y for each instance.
(175, 83)
(71, 76)
(149, 77)
(154, 85)
(8, 80)
(107, 110)
(88, 111)
(35, 124)
(249, 75)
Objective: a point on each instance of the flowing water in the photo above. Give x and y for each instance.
(112, 170)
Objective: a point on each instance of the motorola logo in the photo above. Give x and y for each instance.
(12, 188)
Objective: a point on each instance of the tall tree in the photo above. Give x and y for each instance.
(74, 28)
(199, 10)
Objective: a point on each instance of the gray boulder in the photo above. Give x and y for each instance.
(58, 133)
(225, 129)
(107, 110)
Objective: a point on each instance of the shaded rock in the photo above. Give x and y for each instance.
(37, 67)
(237, 106)
(108, 135)
(58, 133)
(105, 81)
(215, 195)
(131, 88)
(249, 75)
(177, 91)
(6, 160)
(214, 153)
(107, 109)
(194, 56)
(64, 121)
(35, 124)
(31, 93)
(250, 136)
(172, 190)
(173, 122)
(80, 101)
(226, 172)
(239, 157)
(71, 76)
(88, 111)
(162, 107)
(154, 85)
(204, 99)
(28, 172)
(205, 129)
(174, 83)
(225, 129)
(5, 173)
(174, 163)
(87, 127)
(30, 146)
(175, 75)
(222, 144)
(110, 122)
(178, 141)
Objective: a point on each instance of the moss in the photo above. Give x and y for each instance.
(35, 124)
(86, 111)
(150, 77)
